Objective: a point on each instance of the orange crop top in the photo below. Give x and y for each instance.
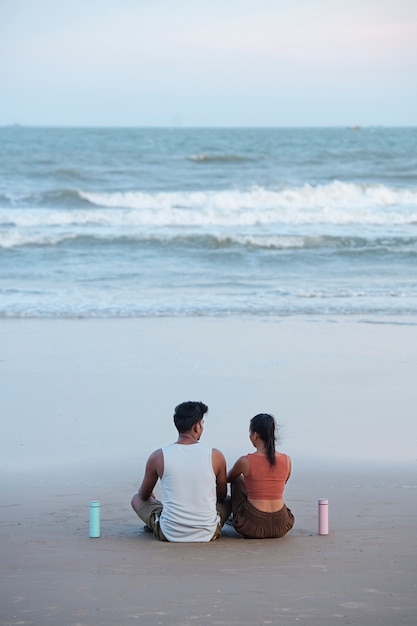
(266, 482)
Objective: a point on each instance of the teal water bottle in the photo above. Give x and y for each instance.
(94, 518)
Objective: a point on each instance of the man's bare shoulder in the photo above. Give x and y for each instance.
(155, 459)
(155, 462)
(156, 454)
(218, 459)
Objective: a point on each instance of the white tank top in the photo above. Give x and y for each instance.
(188, 493)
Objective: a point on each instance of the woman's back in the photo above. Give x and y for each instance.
(265, 483)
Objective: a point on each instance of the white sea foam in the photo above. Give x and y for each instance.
(334, 204)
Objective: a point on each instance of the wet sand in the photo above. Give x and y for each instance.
(85, 402)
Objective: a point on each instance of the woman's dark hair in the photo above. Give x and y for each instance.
(264, 424)
(187, 414)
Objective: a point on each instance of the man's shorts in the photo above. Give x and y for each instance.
(150, 512)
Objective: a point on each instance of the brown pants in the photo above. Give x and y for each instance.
(255, 524)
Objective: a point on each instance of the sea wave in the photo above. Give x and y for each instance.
(336, 202)
(15, 238)
(216, 158)
(54, 198)
(333, 204)
(314, 302)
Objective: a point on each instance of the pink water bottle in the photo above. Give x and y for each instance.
(323, 516)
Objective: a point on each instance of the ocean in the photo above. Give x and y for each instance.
(120, 222)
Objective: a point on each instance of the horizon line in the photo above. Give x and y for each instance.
(354, 127)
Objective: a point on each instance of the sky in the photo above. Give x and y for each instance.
(208, 62)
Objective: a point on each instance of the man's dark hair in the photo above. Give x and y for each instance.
(187, 414)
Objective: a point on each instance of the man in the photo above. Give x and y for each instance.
(193, 480)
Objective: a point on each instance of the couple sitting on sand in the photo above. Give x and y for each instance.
(195, 505)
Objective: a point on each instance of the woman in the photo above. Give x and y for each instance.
(258, 482)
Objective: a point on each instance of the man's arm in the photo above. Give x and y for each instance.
(240, 467)
(219, 468)
(154, 470)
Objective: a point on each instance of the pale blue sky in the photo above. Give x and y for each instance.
(208, 62)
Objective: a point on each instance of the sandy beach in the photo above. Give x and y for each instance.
(85, 402)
